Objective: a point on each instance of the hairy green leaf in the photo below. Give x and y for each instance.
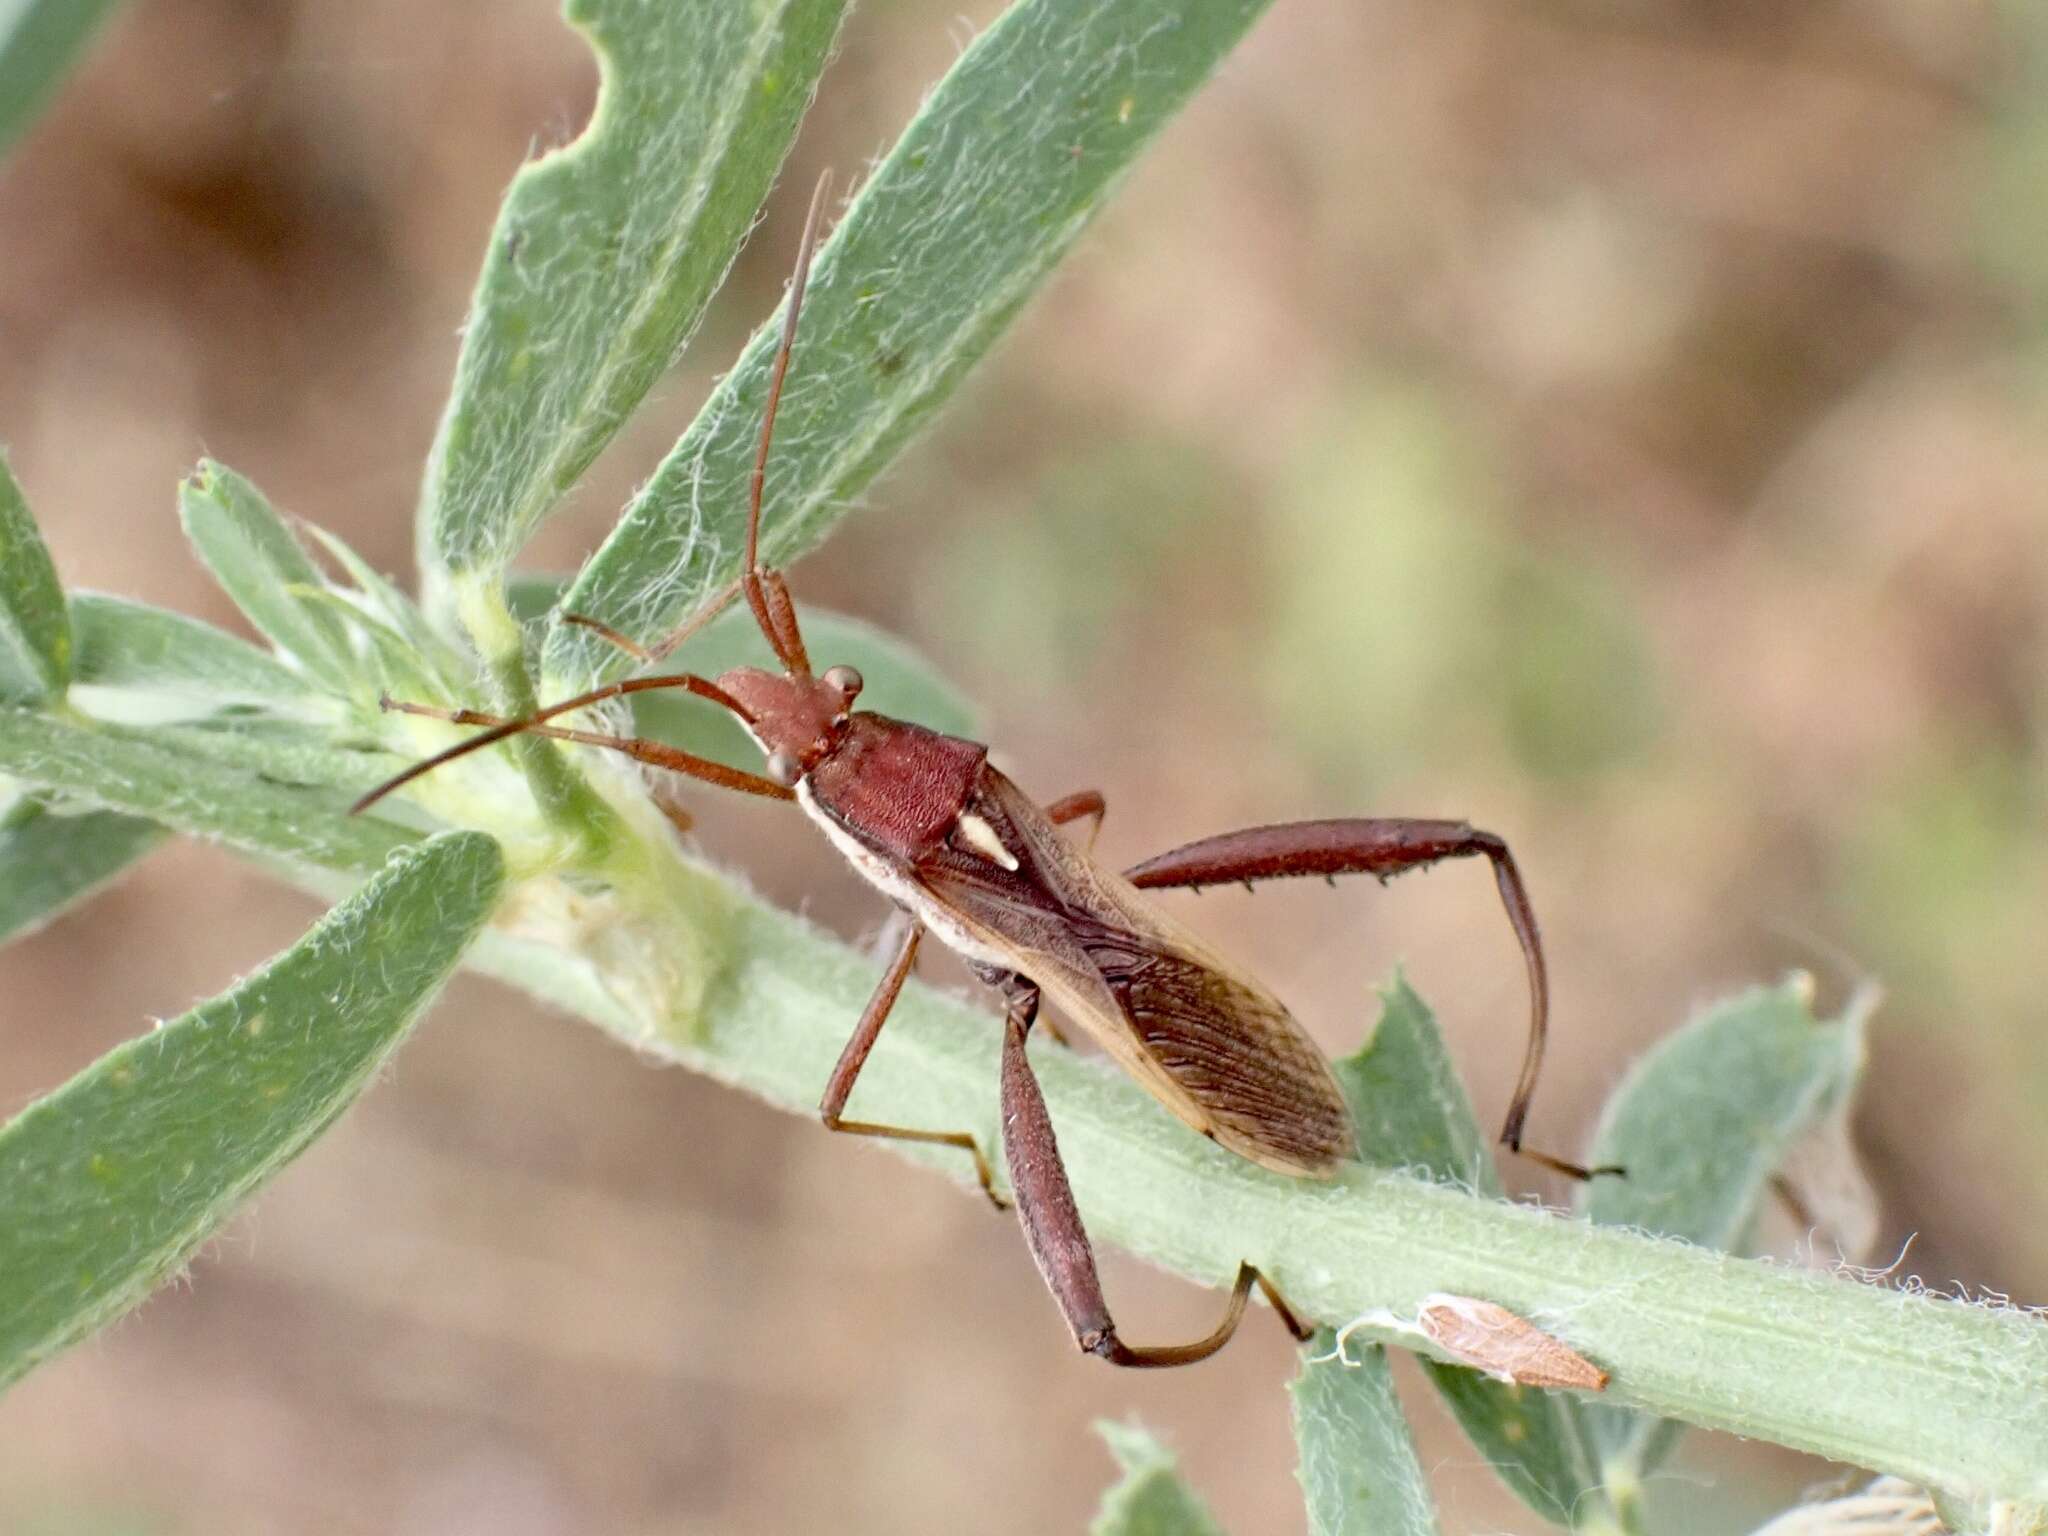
(987, 188)
(1150, 1499)
(35, 631)
(606, 251)
(222, 794)
(410, 656)
(1702, 1123)
(1358, 1465)
(1412, 1112)
(109, 1184)
(260, 563)
(1408, 1102)
(40, 40)
(182, 665)
(49, 862)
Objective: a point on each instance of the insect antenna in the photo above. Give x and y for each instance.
(500, 729)
(766, 593)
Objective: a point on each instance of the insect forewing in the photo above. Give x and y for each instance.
(1213, 1045)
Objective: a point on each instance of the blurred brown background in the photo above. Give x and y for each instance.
(1616, 422)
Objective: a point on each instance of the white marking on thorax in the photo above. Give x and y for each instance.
(981, 837)
(890, 879)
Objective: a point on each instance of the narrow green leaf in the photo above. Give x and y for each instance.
(35, 632)
(409, 645)
(987, 188)
(1150, 1499)
(226, 798)
(1412, 1112)
(40, 40)
(1408, 1101)
(49, 863)
(1702, 1121)
(109, 1184)
(1358, 1464)
(898, 681)
(260, 563)
(606, 251)
(1701, 1124)
(185, 665)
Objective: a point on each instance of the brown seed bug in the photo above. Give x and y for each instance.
(967, 854)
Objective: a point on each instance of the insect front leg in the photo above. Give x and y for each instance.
(1059, 1243)
(1382, 846)
(839, 1086)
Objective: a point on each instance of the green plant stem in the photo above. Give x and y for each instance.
(564, 798)
(1943, 1393)
(1947, 1395)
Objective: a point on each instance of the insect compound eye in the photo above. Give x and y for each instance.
(784, 768)
(845, 679)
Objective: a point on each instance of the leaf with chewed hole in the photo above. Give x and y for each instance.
(108, 1184)
(606, 251)
(988, 187)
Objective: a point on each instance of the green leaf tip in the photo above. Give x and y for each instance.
(1358, 1467)
(1408, 1101)
(988, 187)
(606, 251)
(1705, 1118)
(35, 627)
(1150, 1499)
(108, 1184)
(1703, 1123)
(260, 563)
(1412, 1112)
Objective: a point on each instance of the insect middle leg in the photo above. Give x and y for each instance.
(1059, 1243)
(1382, 846)
(1083, 802)
(839, 1086)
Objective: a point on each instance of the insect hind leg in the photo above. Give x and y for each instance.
(1059, 1242)
(1385, 847)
